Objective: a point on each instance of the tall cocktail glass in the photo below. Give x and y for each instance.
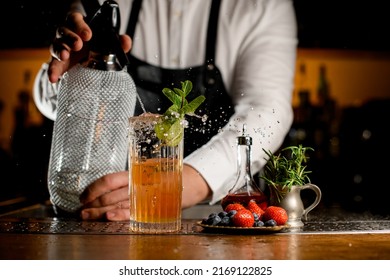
(155, 178)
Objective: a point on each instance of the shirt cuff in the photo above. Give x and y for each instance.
(217, 167)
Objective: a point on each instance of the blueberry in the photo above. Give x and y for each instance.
(231, 213)
(258, 224)
(213, 220)
(212, 215)
(255, 216)
(225, 221)
(270, 223)
(222, 214)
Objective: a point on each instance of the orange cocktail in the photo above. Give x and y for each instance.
(155, 178)
(157, 189)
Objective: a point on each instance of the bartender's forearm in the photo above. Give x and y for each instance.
(195, 188)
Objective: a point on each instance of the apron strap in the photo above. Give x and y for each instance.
(135, 8)
(212, 32)
(210, 72)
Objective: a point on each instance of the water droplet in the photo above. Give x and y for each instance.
(184, 123)
(366, 135)
(357, 178)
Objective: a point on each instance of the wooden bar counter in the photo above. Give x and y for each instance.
(34, 237)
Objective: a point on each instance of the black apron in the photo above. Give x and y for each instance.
(207, 80)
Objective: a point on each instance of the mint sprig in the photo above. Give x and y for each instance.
(170, 128)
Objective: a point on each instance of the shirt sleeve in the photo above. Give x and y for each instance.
(261, 88)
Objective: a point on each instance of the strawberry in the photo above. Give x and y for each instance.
(254, 208)
(243, 218)
(233, 206)
(263, 205)
(276, 213)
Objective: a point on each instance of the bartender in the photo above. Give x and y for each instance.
(239, 54)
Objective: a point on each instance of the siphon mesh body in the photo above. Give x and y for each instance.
(90, 132)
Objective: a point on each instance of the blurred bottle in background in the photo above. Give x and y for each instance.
(29, 146)
(316, 125)
(6, 164)
(300, 132)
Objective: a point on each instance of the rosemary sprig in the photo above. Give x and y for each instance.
(286, 169)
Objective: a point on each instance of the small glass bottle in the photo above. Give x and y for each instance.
(245, 188)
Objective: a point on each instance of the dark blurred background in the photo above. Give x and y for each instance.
(350, 142)
(338, 24)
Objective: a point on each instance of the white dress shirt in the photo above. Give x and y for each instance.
(255, 52)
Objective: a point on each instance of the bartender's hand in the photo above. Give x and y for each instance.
(68, 46)
(108, 196)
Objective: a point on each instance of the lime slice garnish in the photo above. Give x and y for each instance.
(170, 128)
